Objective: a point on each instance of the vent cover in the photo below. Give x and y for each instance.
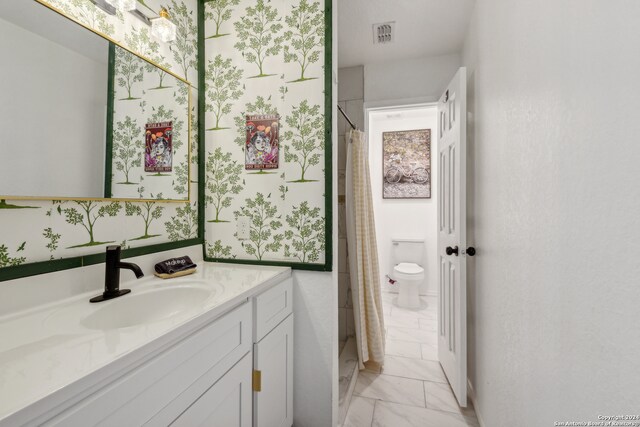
(383, 33)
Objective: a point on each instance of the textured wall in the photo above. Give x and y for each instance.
(265, 57)
(41, 230)
(553, 91)
(423, 78)
(315, 348)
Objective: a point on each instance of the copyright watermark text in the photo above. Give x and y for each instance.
(604, 421)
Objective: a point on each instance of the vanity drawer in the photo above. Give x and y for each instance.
(161, 389)
(272, 307)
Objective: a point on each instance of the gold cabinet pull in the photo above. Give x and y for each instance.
(257, 380)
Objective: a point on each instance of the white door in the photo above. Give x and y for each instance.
(273, 357)
(452, 292)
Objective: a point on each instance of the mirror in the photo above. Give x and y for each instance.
(82, 117)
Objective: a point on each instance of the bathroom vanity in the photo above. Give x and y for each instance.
(213, 348)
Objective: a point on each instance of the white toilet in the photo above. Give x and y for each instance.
(407, 255)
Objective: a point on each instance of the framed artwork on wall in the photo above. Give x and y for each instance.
(158, 147)
(406, 161)
(262, 142)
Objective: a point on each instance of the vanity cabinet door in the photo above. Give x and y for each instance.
(271, 307)
(273, 357)
(226, 404)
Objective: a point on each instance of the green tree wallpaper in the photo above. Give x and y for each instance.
(148, 211)
(185, 47)
(219, 12)
(8, 261)
(223, 181)
(127, 147)
(256, 39)
(85, 12)
(86, 214)
(222, 86)
(304, 37)
(304, 138)
(218, 250)
(52, 239)
(140, 41)
(265, 226)
(259, 34)
(184, 224)
(129, 71)
(305, 234)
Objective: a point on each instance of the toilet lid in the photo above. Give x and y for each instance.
(408, 268)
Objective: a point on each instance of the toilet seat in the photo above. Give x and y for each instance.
(408, 271)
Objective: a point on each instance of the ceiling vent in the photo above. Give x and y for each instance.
(383, 33)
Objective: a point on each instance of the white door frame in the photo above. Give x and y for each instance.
(396, 104)
(399, 105)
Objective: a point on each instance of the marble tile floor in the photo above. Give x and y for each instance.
(348, 370)
(411, 389)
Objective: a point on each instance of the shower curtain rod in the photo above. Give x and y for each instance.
(346, 117)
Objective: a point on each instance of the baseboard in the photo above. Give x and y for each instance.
(472, 395)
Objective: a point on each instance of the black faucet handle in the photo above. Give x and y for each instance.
(114, 249)
(112, 274)
(112, 257)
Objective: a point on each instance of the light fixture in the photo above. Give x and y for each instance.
(123, 5)
(162, 28)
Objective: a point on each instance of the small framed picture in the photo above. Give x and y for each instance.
(158, 156)
(262, 142)
(406, 158)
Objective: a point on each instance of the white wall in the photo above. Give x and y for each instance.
(404, 218)
(554, 330)
(63, 137)
(423, 78)
(315, 309)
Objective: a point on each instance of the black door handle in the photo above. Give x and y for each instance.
(452, 250)
(471, 251)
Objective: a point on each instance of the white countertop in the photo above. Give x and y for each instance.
(45, 354)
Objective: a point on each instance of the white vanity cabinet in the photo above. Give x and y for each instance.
(235, 370)
(160, 390)
(273, 357)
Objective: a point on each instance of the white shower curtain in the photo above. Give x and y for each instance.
(363, 253)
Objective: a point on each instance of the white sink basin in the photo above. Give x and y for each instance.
(146, 307)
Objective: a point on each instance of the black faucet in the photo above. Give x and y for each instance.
(112, 275)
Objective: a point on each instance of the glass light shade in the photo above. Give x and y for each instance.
(123, 5)
(162, 28)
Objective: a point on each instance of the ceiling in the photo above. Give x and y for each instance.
(423, 28)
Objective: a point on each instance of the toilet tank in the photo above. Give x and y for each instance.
(407, 250)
